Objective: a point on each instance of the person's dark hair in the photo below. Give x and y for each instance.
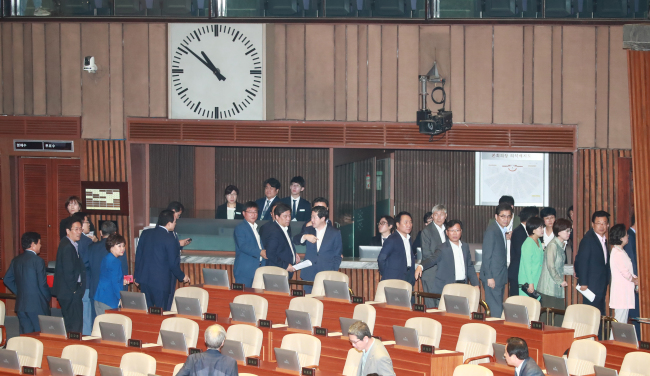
(165, 217)
(547, 211)
(298, 179)
(321, 199)
(399, 216)
(360, 330)
(616, 233)
(599, 214)
(427, 216)
(113, 240)
(81, 216)
(528, 212)
(568, 211)
(517, 346)
(633, 220)
(561, 225)
(507, 200)
(453, 222)
(71, 221)
(251, 204)
(321, 212)
(390, 221)
(503, 207)
(281, 208)
(73, 199)
(229, 190)
(108, 228)
(533, 224)
(176, 207)
(28, 238)
(273, 182)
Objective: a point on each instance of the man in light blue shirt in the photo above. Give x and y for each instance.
(375, 358)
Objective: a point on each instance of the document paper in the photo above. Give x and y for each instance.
(587, 293)
(302, 265)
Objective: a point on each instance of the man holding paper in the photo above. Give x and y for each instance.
(324, 247)
(592, 262)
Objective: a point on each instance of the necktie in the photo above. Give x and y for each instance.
(294, 209)
(266, 207)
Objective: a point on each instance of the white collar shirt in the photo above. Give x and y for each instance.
(286, 235)
(441, 231)
(603, 241)
(407, 248)
(364, 357)
(459, 260)
(508, 229)
(547, 238)
(257, 236)
(319, 237)
(518, 368)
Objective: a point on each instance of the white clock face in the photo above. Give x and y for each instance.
(216, 71)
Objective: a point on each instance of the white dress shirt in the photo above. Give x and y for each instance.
(547, 238)
(286, 235)
(257, 236)
(508, 229)
(459, 260)
(230, 213)
(518, 368)
(441, 231)
(407, 248)
(602, 242)
(319, 237)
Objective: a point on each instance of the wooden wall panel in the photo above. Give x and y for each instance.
(70, 72)
(158, 70)
(528, 65)
(19, 68)
(508, 74)
(204, 178)
(136, 69)
(38, 68)
(279, 52)
(388, 74)
(478, 74)
(457, 72)
(172, 167)
(4, 56)
(556, 80)
(28, 70)
(619, 130)
(374, 72)
(542, 74)
(53, 67)
(340, 85)
(295, 73)
(407, 73)
(434, 45)
(319, 72)
(602, 86)
(362, 73)
(116, 81)
(352, 78)
(96, 87)
(7, 69)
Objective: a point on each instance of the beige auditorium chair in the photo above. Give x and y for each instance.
(178, 368)
(584, 355)
(351, 362)
(471, 370)
(182, 325)
(113, 318)
(260, 304)
(475, 342)
(307, 347)
(328, 275)
(310, 305)
(193, 292)
(583, 319)
(380, 295)
(429, 330)
(533, 306)
(472, 293)
(248, 335)
(258, 280)
(83, 358)
(635, 364)
(138, 364)
(30, 350)
(366, 313)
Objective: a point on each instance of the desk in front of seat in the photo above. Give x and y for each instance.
(502, 370)
(616, 351)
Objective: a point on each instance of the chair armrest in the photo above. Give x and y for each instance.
(594, 336)
(4, 336)
(480, 357)
(485, 306)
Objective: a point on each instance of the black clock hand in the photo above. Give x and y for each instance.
(215, 70)
(198, 57)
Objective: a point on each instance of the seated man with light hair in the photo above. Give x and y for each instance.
(375, 358)
(210, 362)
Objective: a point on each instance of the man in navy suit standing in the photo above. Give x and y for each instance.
(70, 276)
(279, 248)
(157, 261)
(396, 259)
(271, 189)
(592, 260)
(325, 250)
(26, 278)
(300, 208)
(249, 249)
(630, 248)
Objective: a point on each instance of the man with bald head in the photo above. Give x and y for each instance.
(210, 362)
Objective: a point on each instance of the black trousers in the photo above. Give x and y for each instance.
(73, 312)
(513, 288)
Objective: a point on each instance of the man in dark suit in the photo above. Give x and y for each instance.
(271, 189)
(630, 248)
(326, 249)
(280, 251)
(318, 201)
(519, 236)
(85, 241)
(96, 253)
(592, 260)
(453, 258)
(494, 267)
(249, 249)
(70, 277)
(433, 236)
(300, 208)
(396, 259)
(516, 355)
(157, 261)
(26, 278)
(210, 362)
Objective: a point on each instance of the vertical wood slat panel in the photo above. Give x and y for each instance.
(602, 87)
(173, 164)
(18, 68)
(340, 90)
(295, 73)
(556, 74)
(158, 70)
(116, 81)
(528, 66)
(136, 69)
(407, 64)
(478, 74)
(279, 52)
(96, 89)
(363, 72)
(28, 69)
(38, 76)
(7, 69)
(319, 72)
(619, 96)
(70, 72)
(542, 74)
(389, 73)
(374, 77)
(352, 78)
(508, 74)
(2, 74)
(204, 170)
(435, 45)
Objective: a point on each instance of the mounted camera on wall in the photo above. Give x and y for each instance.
(428, 122)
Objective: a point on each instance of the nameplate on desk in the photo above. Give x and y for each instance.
(358, 300)
(419, 307)
(74, 335)
(194, 350)
(643, 345)
(297, 292)
(238, 286)
(480, 316)
(210, 316)
(320, 331)
(265, 324)
(29, 370)
(253, 362)
(308, 371)
(135, 343)
(427, 349)
(537, 325)
(155, 310)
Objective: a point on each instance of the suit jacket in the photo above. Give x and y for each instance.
(261, 203)
(392, 260)
(519, 236)
(27, 279)
(222, 211)
(247, 252)
(69, 269)
(96, 253)
(430, 242)
(303, 211)
(378, 361)
(279, 251)
(84, 244)
(495, 263)
(444, 258)
(590, 266)
(209, 363)
(329, 256)
(298, 237)
(530, 368)
(630, 248)
(157, 259)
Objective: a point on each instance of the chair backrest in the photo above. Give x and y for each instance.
(533, 306)
(178, 368)
(380, 295)
(318, 289)
(138, 364)
(429, 330)
(582, 318)
(635, 363)
(249, 335)
(351, 362)
(310, 305)
(307, 347)
(83, 358)
(472, 293)
(471, 370)
(179, 324)
(30, 350)
(584, 354)
(113, 318)
(258, 280)
(193, 292)
(3, 311)
(476, 339)
(260, 304)
(366, 313)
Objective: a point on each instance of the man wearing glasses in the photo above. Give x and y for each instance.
(249, 251)
(494, 269)
(375, 359)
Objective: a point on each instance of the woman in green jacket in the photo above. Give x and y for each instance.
(551, 283)
(532, 255)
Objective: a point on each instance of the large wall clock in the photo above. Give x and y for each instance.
(216, 71)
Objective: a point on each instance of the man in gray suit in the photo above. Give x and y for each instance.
(494, 269)
(210, 362)
(375, 358)
(516, 355)
(453, 258)
(432, 236)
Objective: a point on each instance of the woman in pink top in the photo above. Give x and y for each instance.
(621, 295)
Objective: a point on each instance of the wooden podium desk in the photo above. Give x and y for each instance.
(616, 351)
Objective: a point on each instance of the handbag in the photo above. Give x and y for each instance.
(534, 294)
